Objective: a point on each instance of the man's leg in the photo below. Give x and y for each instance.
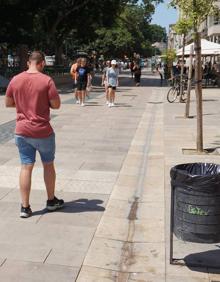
(83, 96)
(80, 96)
(110, 95)
(76, 94)
(49, 179)
(106, 93)
(25, 183)
(113, 96)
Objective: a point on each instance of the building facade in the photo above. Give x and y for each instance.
(210, 28)
(174, 40)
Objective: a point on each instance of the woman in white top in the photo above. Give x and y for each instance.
(104, 80)
(112, 82)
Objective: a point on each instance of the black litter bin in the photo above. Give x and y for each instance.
(196, 197)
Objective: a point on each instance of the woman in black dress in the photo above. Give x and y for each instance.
(137, 74)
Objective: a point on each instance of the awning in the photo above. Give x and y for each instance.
(208, 48)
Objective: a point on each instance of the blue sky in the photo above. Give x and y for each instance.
(164, 15)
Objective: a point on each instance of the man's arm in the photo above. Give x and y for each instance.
(55, 104)
(9, 102)
(54, 98)
(9, 99)
(89, 79)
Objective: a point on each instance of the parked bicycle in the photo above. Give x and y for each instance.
(175, 91)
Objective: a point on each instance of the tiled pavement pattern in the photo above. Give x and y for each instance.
(104, 158)
(7, 131)
(92, 143)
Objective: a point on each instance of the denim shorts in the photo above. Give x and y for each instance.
(28, 147)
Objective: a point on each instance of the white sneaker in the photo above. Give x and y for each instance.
(109, 104)
(113, 104)
(82, 105)
(77, 101)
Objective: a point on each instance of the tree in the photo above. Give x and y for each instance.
(48, 25)
(156, 33)
(169, 57)
(125, 37)
(182, 27)
(197, 12)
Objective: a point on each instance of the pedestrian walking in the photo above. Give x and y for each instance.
(112, 82)
(33, 94)
(73, 74)
(104, 80)
(137, 73)
(83, 78)
(132, 69)
(160, 71)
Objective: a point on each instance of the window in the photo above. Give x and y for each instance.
(216, 19)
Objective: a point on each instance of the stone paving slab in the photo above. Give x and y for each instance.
(2, 260)
(74, 216)
(101, 166)
(146, 277)
(4, 192)
(36, 272)
(112, 254)
(93, 274)
(18, 251)
(96, 176)
(10, 210)
(145, 230)
(61, 255)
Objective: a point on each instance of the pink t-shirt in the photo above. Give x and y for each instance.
(32, 93)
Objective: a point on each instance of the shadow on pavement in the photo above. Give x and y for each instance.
(77, 206)
(122, 105)
(155, 103)
(208, 259)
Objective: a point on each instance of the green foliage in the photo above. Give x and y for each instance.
(110, 26)
(195, 10)
(156, 33)
(183, 26)
(169, 56)
(131, 32)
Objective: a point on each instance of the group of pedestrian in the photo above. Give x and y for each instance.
(82, 78)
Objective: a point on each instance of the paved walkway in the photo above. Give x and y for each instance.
(111, 167)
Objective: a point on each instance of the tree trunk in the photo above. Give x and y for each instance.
(182, 69)
(23, 56)
(58, 54)
(189, 86)
(198, 89)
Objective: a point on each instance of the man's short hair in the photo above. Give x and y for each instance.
(37, 56)
(78, 61)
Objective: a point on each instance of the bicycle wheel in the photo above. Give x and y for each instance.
(172, 94)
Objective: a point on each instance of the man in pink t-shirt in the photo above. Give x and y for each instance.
(33, 93)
